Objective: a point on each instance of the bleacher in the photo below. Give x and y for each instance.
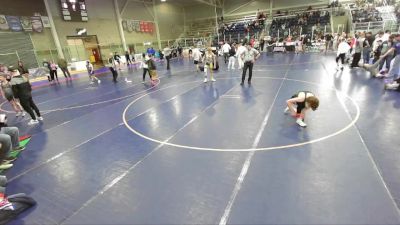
(201, 28)
(308, 22)
(380, 15)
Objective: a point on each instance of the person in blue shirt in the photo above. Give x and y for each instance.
(394, 70)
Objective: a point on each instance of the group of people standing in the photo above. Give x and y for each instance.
(246, 56)
(380, 54)
(17, 90)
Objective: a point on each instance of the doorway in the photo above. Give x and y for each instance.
(82, 48)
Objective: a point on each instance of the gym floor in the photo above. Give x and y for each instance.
(185, 152)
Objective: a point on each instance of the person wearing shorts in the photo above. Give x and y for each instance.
(299, 103)
(90, 70)
(7, 93)
(196, 58)
(209, 60)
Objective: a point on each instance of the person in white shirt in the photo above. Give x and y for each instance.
(90, 71)
(225, 49)
(145, 66)
(167, 54)
(196, 58)
(232, 57)
(249, 56)
(240, 50)
(386, 36)
(343, 49)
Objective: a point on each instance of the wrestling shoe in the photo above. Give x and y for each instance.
(391, 86)
(287, 111)
(33, 122)
(301, 123)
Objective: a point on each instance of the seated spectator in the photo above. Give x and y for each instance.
(9, 141)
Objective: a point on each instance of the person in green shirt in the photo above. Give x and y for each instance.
(62, 63)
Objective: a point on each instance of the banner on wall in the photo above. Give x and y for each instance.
(37, 25)
(130, 26)
(14, 23)
(151, 27)
(141, 26)
(136, 25)
(3, 23)
(45, 21)
(26, 23)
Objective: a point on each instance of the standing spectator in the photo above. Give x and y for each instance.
(152, 70)
(232, 57)
(343, 49)
(53, 71)
(112, 67)
(249, 56)
(62, 63)
(209, 60)
(386, 46)
(190, 52)
(328, 41)
(23, 91)
(367, 47)
(225, 50)
(262, 43)
(117, 59)
(196, 58)
(90, 71)
(180, 50)
(145, 67)
(240, 50)
(128, 58)
(386, 35)
(7, 93)
(167, 54)
(357, 51)
(394, 70)
(22, 69)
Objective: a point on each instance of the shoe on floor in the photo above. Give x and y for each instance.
(10, 158)
(205, 80)
(213, 80)
(40, 118)
(242, 83)
(98, 81)
(33, 122)
(20, 148)
(6, 205)
(5, 166)
(18, 114)
(287, 111)
(23, 114)
(301, 123)
(391, 86)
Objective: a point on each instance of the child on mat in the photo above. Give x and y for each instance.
(303, 100)
(90, 70)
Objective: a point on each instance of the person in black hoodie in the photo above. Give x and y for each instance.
(112, 67)
(23, 91)
(232, 57)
